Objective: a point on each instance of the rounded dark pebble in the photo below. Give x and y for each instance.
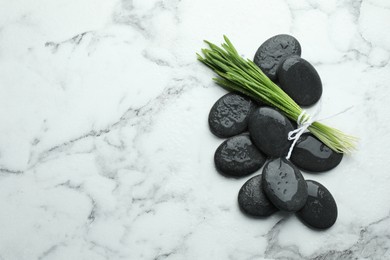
(310, 154)
(238, 156)
(300, 80)
(269, 131)
(252, 199)
(284, 185)
(229, 115)
(274, 50)
(320, 210)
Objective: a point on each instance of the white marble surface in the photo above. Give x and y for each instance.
(105, 151)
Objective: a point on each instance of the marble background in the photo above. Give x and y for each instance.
(105, 151)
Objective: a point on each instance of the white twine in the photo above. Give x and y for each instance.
(304, 121)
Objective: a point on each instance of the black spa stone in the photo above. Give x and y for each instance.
(238, 156)
(229, 115)
(310, 154)
(320, 210)
(284, 185)
(274, 50)
(269, 131)
(300, 80)
(252, 199)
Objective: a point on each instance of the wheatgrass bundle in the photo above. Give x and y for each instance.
(242, 75)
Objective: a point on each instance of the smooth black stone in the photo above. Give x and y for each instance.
(300, 80)
(229, 115)
(273, 51)
(320, 210)
(310, 154)
(269, 131)
(252, 199)
(284, 185)
(238, 156)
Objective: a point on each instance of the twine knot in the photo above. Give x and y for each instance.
(304, 121)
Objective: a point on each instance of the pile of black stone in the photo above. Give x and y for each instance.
(258, 136)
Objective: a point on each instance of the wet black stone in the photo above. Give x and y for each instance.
(300, 80)
(274, 50)
(238, 156)
(252, 199)
(310, 154)
(320, 210)
(229, 115)
(284, 185)
(269, 131)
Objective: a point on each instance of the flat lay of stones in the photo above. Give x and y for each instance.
(281, 184)
(106, 149)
